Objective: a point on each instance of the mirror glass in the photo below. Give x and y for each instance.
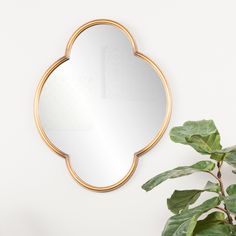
(102, 105)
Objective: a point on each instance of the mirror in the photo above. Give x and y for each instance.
(102, 105)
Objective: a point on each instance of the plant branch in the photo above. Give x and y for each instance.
(222, 191)
(213, 175)
(230, 219)
(221, 209)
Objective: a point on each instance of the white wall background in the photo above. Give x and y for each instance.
(192, 41)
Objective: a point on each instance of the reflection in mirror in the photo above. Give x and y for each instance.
(103, 105)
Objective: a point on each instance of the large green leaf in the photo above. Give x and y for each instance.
(231, 189)
(184, 223)
(187, 227)
(203, 128)
(225, 153)
(208, 226)
(217, 156)
(202, 135)
(231, 159)
(182, 199)
(205, 145)
(178, 172)
(230, 202)
(216, 230)
(212, 187)
(227, 150)
(216, 217)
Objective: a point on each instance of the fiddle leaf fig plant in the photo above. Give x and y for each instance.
(216, 215)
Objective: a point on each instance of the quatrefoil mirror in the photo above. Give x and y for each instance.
(102, 105)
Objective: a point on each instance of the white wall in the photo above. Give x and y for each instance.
(192, 41)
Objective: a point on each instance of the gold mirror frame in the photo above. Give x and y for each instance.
(137, 154)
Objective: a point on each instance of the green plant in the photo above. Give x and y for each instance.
(204, 137)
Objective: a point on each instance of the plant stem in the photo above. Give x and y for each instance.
(221, 209)
(219, 175)
(213, 175)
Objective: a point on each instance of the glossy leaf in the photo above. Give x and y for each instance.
(182, 199)
(213, 219)
(231, 189)
(203, 128)
(205, 145)
(185, 222)
(178, 172)
(217, 156)
(223, 153)
(227, 150)
(212, 187)
(187, 227)
(230, 203)
(231, 159)
(216, 217)
(215, 230)
(202, 135)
